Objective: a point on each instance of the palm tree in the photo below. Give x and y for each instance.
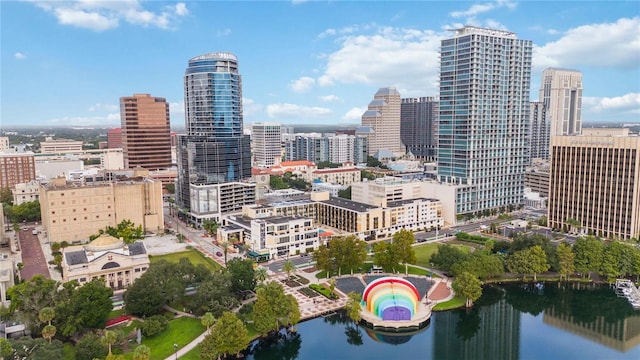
(46, 315)
(142, 352)
(208, 320)
(48, 332)
(225, 246)
(288, 267)
(260, 274)
(109, 338)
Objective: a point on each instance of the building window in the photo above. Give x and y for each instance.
(83, 279)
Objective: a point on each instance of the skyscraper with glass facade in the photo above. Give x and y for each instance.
(484, 117)
(215, 149)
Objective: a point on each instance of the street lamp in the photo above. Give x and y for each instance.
(175, 350)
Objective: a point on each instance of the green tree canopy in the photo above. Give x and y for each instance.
(565, 260)
(446, 256)
(242, 274)
(401, 245)
(353, 306)
(588, 255)
(385, 256)
(272, 308)
(467, 286)
(88, 308)
(480, 264)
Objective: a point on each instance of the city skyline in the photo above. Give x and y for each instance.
(311, 62)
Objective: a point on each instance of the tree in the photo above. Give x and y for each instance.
(242, 274)
(229, 336)
(293, 317)
(446, 256)
(30, 296)
(48, 332)
(353, 306)
(565, 260)
(208, 320)
(211, 226)
(467, 286)
(6, 349)
(6, 197)
(345, 194)
(480, 264)
(89, 347)
(109, 338)
(323, 259)
(225, 250)
(46, 314)
(154, 325)
(385, 257)
(288, 267)
(518, 263)
(538, 259)
(142, 352)
(271, 308)
(214, 295)
(260, 274)
(126, 230)
(88, 307)
(401, 245)
(145, 297)
(588, 255)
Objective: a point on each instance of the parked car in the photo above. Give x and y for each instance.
(218, 253)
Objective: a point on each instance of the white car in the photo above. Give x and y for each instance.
(34, 232)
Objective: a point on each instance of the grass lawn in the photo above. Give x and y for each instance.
(424, 252)
(115, 313)
(181, 331)
(193, 255)
(456, 302)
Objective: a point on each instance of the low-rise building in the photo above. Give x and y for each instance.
(107, 258)
(60, 146)
(73, 211)
(26, 192)
(341, 176)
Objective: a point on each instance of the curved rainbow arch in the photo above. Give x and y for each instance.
(391, 298)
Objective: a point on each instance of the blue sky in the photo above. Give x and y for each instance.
(316, 62)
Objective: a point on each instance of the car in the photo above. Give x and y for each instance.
(218, 253)
(35, 232)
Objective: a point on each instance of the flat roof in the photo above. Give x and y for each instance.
(348, 204)
(396, 203)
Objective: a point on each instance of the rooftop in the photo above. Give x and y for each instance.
(348, 204)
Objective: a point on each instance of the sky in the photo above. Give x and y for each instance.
(67, 63)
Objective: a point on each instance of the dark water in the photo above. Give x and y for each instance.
(511, 322)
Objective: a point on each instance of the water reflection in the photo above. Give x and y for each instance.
(508, 322)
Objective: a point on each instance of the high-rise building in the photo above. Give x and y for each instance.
(339, 149)
(539, 131)
(266, 139)
(594, 184)
(484, 117)
(383, 116)
(214, 150)
(114, 138)
(561, 93)
(419, 126)
(145, 132)
(16, 168)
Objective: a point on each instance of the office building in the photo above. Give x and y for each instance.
(419, 126)
(215, 149)
(73, 211)
(114, 138)
(60, 146)
(383, 117)
(484, 117)
(266, 139)
(561, 93)
(539, 133)
(16, 168)
(26, 192)
(145, 132)
(595, 181)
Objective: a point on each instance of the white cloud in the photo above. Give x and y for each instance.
(354, 114)
(103, 107)
(109, 119)
(20, 56)
(476, 9)
(382, 59)
(330, 98)
(628, 103)
(104, 15)
(614, 44)
(302, 84)
(292, 111)
(223, 33)
(250, 108)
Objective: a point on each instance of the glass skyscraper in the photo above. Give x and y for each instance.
(214, 150)
(485, 76)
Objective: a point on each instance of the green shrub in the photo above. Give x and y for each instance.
(324, 291)
(154, 325)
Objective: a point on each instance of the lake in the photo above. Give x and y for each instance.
(548, 321)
